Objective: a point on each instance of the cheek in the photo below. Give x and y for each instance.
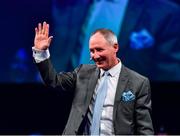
(104, 54)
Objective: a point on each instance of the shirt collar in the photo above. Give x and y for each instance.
(114, 70)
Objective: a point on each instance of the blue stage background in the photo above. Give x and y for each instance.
(27, 106)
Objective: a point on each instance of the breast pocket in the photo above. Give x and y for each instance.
(126, 110)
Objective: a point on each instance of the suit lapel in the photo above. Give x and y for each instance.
(92, 84)
(133, 12)
(122, 82)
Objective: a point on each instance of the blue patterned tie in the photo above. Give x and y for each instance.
(100, 98)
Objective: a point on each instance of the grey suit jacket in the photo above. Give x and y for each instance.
(128, 117)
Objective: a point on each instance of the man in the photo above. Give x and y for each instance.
(126, 104)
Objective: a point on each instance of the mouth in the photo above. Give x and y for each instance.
(99, 61)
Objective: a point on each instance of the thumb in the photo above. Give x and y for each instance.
(49, 40)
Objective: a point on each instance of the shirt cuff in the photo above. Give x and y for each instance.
(40, 55)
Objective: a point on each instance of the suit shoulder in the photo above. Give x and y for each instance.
(86, 67)
(135, 76)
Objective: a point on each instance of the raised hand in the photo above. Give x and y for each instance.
(42, 40)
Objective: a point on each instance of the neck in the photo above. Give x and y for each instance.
(116, 61)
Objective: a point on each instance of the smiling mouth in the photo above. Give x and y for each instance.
(99, 61)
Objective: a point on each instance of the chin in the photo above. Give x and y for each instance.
(101, 66)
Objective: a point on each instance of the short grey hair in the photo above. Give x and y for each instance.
(107, 34)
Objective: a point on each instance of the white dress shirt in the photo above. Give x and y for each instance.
(106, 123)
(40, 55)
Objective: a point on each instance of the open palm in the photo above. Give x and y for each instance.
(42, 40)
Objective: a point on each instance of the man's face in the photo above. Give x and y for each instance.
(102, 52)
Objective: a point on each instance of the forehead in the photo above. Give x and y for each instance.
(97, 38)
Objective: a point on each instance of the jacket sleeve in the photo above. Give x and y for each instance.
(143, 119)
(64, 80)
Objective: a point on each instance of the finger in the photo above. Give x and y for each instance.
(49, 40)
(44, 28)
(36, 31)
(47, 30)
(39, 28)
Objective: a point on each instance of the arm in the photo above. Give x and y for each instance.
(41, 55)
(143, 110)
(63, 80)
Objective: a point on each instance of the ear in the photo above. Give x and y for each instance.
(116, 47)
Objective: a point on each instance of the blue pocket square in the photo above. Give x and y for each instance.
(127, 96)
(141, 39)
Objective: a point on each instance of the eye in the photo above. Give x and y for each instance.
(99, 49)
(91, 51)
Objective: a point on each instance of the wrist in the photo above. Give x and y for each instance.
(38, 49)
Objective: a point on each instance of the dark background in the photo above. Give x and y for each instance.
(26, 105)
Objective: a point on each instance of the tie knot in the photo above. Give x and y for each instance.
(106, 73)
